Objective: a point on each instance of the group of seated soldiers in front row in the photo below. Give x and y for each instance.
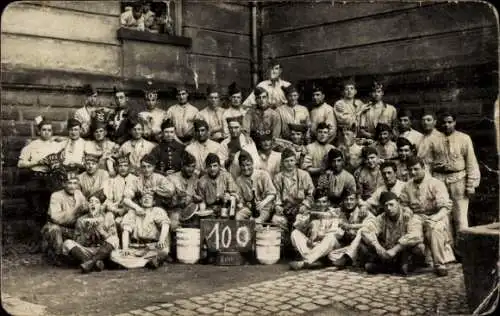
(384, 202)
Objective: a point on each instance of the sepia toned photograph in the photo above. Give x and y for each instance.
(265, 157)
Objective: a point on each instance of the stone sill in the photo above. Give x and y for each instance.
(144, 36)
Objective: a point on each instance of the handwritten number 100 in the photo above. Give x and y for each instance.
(242, 236)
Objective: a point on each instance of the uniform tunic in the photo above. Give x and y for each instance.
(64, 210)
(156, 183)
(324, 114)
(324, 233)
(262, 120)
(368, 180)
(114, 189)
(183, 117)
(297, 114)
(184, 189)
(200, 151)
(259, 182)
(215, 120)
(429, 147)
(336, 184)
(212, 190)
(127, 20)
(387, 151)
(168, 156)
(89, 239)
(413, 136)
(274, 90)
(271, 163)
(90, 184)
(107, 150)
(73, 151)
(426, 199)
(118, 126)
(36, 150)
(351, 112)
(352, 156)
(373, 201)
(316, 154)
(137, 150)
(402, 172)
(374, 115)
(148, 227)
(294, 188)
(460, 172)
(228, 146)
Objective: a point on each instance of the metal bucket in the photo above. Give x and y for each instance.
(188, 245)
(268, 242)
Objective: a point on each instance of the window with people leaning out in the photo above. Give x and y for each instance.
(149, 16)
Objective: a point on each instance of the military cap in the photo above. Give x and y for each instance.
(402, 141)
(260, 135)
(382, 127)
(259, 90)
(377, 86)
(289, 90)
(273, 62)
(297, 127)
(233, 89)
(123, 158)
(187, 158)
(91, 157)
(200, 123)
(89, 90)
(179, 89)
(72, 122)
(333, 154)
(317, 88)
(212, 89)
(322, 125)
(386, 197)
(347, 192)
(350, 81)
(150, 159)
(320, 192)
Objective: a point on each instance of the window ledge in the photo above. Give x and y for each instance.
(145, 36)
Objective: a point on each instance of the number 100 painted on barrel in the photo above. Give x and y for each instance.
(224, 235)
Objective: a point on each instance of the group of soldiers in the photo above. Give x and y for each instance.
(348, 184)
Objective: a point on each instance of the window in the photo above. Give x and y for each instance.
(161, 17)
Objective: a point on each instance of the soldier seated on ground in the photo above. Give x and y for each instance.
(95, 236)
(316, 232)
(145, 235)
(65, 207)
(355, 216)
(392, 240)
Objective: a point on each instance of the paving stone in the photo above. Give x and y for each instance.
(257, 304)
(189, 305)
(392, 309)
(229, 309)
(244, 313)
(152, 308)
(362, 300)
(123, 314)
(297, 311)
(309, 306)
(362, 307)
(273, 309)
(322, 301)
(294, 303)
(376, 304)
(217, 306)
(249, 308)
(162, 312)
(285, 306)
(350, 303)
(234, 304)
(338, 298)
(377, 311)
(263, 312)
(186, 312)
(304, 299)
(206, 310)
(407, 312)
(137, 312)
(285, 313)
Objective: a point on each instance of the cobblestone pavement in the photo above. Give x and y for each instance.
(350, 290)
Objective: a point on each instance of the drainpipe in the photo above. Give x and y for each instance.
(255, 43)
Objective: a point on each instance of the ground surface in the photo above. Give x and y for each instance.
(246, 290)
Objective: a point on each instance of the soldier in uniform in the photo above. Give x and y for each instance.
(213, 114)
(153, 117)
(262, 117)
(317, 232)
(93, 179)
(65, 207)
(232, 146)
(404, 128)
(376, 112)
(298, 137)
(406, 150)
(335, 180)
(351, 149)
(137, 146)
(322, 113)
(385, 147)
(95, 236)
(369, 177)
(202, 145)
(274, 87)
(236, 108)
(428, 147)
(168, 151)
(74, 146)
(118, 120)
(85, 114)
(270, 160)
(100, 145)
(256, 189)
(348, 109)
(315, 152)
(183, 114)
(293, 112)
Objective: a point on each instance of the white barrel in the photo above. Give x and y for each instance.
(188, 245)
(268, 242)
